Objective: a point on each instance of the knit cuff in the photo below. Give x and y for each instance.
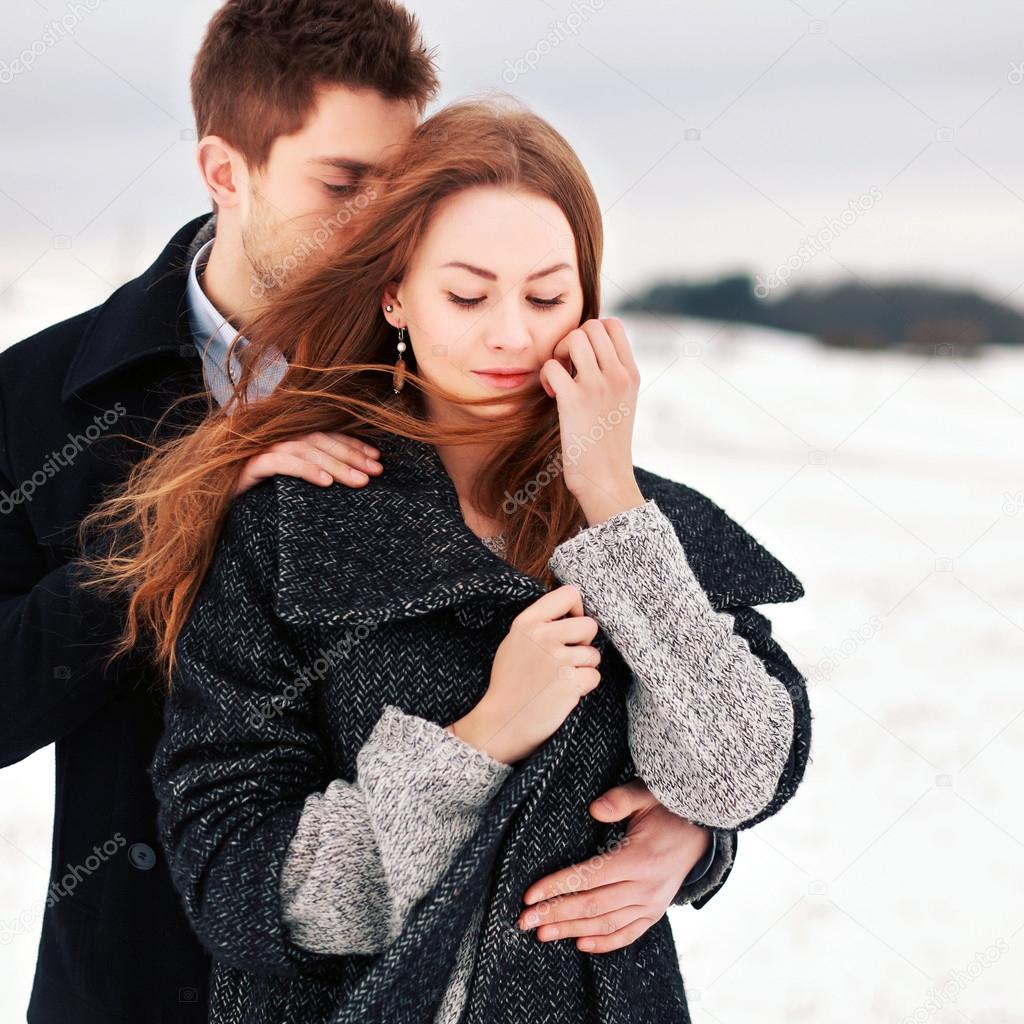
(616, 559)
(456, 773)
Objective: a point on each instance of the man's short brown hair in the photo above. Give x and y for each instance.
(262, 61)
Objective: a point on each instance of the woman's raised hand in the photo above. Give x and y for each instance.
(542, 668)
(596, 410)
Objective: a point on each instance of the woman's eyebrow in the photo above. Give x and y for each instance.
(491, 276)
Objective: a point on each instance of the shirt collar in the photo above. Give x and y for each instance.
(213, 334)
(207, 322)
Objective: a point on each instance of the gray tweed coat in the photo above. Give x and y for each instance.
(392, 574)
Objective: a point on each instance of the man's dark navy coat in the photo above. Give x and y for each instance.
(116, 946)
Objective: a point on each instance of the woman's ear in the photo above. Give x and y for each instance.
(391, 306)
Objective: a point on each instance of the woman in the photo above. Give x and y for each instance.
(386, 717)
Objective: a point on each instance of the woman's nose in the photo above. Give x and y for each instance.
(507, 331)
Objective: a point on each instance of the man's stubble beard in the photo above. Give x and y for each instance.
(258, 245)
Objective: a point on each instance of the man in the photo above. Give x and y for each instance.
(295, 101)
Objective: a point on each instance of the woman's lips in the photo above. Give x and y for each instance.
(506, 381)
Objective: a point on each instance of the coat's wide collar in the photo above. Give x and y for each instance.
(398, 547)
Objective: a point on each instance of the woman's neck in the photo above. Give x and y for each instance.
(463, 463)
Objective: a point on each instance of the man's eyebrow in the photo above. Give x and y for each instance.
(342, 163)
(491, 276)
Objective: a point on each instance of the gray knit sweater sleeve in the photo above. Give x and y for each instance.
(365, 852)
(710, 729)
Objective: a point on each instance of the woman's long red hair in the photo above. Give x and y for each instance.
(167, 518)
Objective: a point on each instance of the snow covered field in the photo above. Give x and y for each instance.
(890, 888)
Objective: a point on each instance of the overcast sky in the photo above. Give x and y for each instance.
(718, 135)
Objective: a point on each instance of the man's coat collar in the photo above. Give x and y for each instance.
(146, 317)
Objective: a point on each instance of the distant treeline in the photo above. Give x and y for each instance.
(916, 316)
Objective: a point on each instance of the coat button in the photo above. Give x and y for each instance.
(141, 856)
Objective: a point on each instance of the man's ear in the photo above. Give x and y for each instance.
(222, 169)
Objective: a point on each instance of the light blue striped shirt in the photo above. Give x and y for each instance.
(213, 334)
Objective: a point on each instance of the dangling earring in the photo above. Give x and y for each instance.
(398, 378)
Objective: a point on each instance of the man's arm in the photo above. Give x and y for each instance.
(53, 634)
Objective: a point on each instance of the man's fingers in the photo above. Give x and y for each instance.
(619, 801)
(578, 905)
(577, 878)
(606, 942)
(603, 924)
(273, 463)
(344, 470)
(354, 442)
(345, 449)
(311, 464)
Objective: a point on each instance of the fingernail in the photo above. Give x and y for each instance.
(586, 943)
(360, 476)
(372, 452)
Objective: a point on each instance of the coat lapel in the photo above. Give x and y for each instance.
(394, 549)
(399, 547)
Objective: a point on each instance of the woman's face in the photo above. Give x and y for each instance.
(492, 286)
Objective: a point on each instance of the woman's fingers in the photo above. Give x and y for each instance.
(563, 600)
(604, 351)
(617, 335)
(582, 351)
(554, 377)
(577, 629)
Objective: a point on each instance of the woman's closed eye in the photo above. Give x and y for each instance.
(340, 190)
(461, 300)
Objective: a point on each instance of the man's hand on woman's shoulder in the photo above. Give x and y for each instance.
(321, 458)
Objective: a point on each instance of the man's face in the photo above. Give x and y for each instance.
(306, 198)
